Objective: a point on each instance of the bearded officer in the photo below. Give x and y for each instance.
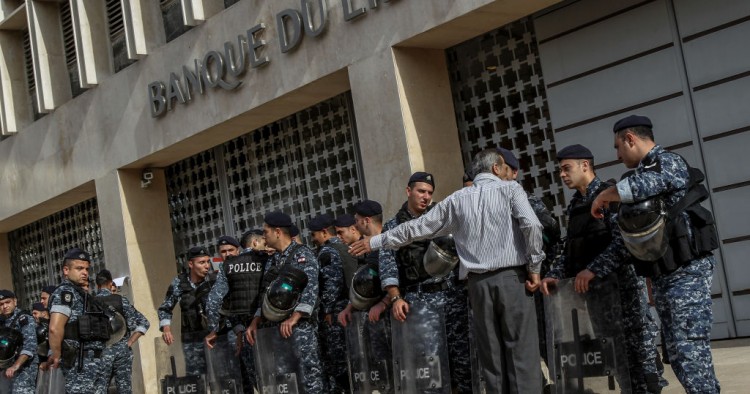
(681, 277)
(18, 370)
(594, 249)
(117, 360)
(189, 290)
(403, 276)
(237, 287)
(301, 325)
(78, 353)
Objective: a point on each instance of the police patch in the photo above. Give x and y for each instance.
(301, 260)
(67, 298)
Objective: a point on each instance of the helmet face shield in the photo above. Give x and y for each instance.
(441, 256)
(283, 293)
(10, 342)
(365, 289)
(643, 229)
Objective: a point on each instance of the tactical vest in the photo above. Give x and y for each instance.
(244, 274)
(192, 304)
(682, 247)
(349, 262)
(93, 324)
(588, 237)
(273, 271)
(409, 258)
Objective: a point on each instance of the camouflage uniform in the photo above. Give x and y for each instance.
(214, 302)
(24, 379)
(117, 360)
(195, 358)
(68, 301)
(305, 332)
(683, 297)
(453, 299)
(333, 300)
(638, 324)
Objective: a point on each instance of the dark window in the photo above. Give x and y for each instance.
(117, 35)
(174, 25)
(69, 44)
(30, 80)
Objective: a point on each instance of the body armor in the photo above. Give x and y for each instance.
(350, 263)
(410, 257)
(192, 303)
(588, 237)
(244, 274)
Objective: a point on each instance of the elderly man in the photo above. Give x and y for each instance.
(499, 243)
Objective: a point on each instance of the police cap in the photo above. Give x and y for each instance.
(38, 306)
(368, 208)
(574, 152)
(632, 121)
(421, 176)
(321, 222)
(344, 220)
(197, 251)
(49, 289)
(227, 240)
(5, 294)
(278, 219)
(103, 277)
(293, 230)
(508, 157)
(77, 254)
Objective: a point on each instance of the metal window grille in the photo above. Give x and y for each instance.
(116, 25)
(37, 249)
(303, 165)
(69, 45)
(499, 99)
(174, 25)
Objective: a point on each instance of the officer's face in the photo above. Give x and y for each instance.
(40, 315)
(200, 266)
(228, 250)
(319, 237)
(419, 196)
(571, 172)
(626, 150)
(77, 271)
(348, 235)
(272, 236)
(361, 223)
(7, 306)
(44, 299)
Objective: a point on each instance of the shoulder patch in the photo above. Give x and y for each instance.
(301, 259)
(66, 298)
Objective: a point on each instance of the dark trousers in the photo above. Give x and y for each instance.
(506, 328)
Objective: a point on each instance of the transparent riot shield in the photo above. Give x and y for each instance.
(277, 363)
(56, 381)
(172, 372)
(368, 348)
(585, 340)
(42, 382)
(223, 366)
(420, 351)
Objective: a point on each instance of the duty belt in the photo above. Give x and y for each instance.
(427, 287)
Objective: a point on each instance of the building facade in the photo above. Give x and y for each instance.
(137, 129)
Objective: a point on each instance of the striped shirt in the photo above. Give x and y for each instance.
(492, 222)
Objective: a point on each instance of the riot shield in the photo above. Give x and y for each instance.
(420, 351)
(223, 366)
(368, 348)
(42, 381)
(585, 340)
(56, 383)
(277, 363)
(171, 370)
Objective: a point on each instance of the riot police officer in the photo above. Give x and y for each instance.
(117, 360)
(45, 294)
(18, 360)
(78, 327)
(681, 263)
(594, 249)
(189, 290)
(404, 277)
(299, 323)
(234, 298)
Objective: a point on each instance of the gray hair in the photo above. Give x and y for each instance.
(484, 161)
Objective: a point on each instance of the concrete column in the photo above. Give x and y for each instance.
(144, 27)
(50, 69)
(137, 238)
(196, 12)
(92, 41)
(405, 123)
(6, 280)
(16, 111)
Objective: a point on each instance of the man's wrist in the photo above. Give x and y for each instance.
(396, 298)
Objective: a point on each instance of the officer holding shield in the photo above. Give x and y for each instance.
(676, 252)
(18, 360)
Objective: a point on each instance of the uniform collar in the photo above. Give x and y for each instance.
(103, 292)
(651, 156)
(485, 178)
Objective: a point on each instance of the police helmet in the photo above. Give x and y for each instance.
(282, 295)
(642, 225)
(441, 256)
(365, 288)
(10, 342)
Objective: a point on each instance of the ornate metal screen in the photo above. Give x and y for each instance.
(37, 249)
(499, 98)
(303, 165)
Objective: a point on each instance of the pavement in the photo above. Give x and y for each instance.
(731, 362)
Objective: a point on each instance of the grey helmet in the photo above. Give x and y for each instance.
(365, 290)
(441, 256)
(642, 225)
(283, 294)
